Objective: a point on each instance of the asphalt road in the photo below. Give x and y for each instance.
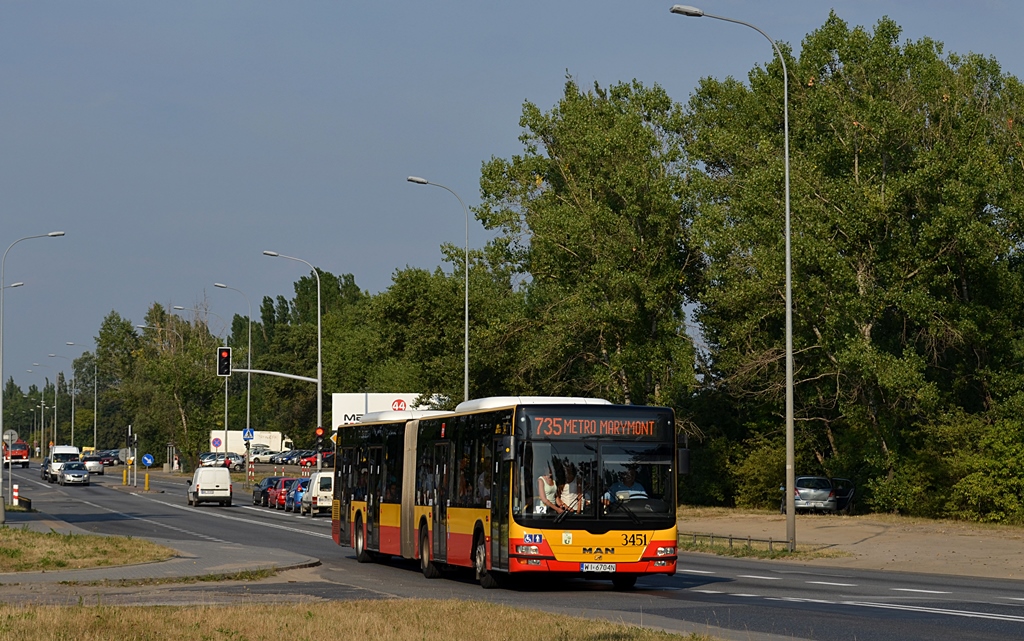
(728, 598)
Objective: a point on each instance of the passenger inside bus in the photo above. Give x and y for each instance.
(547, 493)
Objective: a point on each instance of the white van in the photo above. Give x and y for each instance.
(210, 484)
(59, 455)
(319, 494)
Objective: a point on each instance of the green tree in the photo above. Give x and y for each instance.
(593, 220)
(907, 182)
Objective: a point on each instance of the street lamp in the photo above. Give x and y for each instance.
(95, 361)
(694, 12)
(3, 266)
(319, 343)
(465, 311)
(55, 381)
(72, 395)
(248, 354)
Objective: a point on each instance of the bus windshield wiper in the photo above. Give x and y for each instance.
(569, 508)
(621, 505)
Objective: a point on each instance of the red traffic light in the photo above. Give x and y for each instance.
(224, 353)
(319, 431)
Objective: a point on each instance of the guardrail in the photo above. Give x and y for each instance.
(697, 538)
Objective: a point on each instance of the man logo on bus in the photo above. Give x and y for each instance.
(599, 550)
(398, 405)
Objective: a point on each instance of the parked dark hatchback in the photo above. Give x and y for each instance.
(259, 493)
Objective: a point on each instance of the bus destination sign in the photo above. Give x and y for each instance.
(552, 423)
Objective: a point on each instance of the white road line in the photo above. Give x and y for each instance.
(841, 585)
(743, 594)
(157, 523)
(1012, 598)
(763, 578)
(235, 518)
(708, 591)
(919, 591)
(695, 571)
(955, 613)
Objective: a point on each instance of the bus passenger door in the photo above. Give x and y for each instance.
(343, 488)
(441, 498)
(502, 475)
(373, 496)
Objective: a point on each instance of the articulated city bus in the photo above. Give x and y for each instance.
(513, 487)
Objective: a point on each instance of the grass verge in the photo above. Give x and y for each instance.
(23, 550)
(395, 620)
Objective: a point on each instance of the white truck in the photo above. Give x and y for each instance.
(235, 443)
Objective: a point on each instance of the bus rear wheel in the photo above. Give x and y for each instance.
(487, 579)
(428, 567)
(362, 555)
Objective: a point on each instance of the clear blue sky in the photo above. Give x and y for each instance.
(174, 141)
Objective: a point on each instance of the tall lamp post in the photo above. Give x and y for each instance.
(248, 354)
(694, 12)
(95, 388)
(3, 279)
(319, 343)
(465, 312)
(72, 394)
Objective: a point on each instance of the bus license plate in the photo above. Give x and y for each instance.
(597, 567)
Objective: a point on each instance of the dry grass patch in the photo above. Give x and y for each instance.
(397, 620)
(22, 550)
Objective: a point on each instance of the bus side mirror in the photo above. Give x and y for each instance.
(508, 449)
(683, 460)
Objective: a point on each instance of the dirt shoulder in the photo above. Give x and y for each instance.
(879, 542)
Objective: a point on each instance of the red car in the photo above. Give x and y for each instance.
(277, 494)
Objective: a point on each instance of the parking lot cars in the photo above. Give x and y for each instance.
(262, 456)
(259, 492)
(293, 498)
(73, 473)
(319, 495)
(278, 459)
(216, 459)
(93, 463)
(278, 492)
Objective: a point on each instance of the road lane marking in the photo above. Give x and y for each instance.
(236, 518)
(709, 591)
(744, 594)
(763, 578)
(956, 613)
(158, 523)
(919, 591)
(696, 571)
(793, 599)
(840, 585)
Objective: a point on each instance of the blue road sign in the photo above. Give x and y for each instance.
(248, 434)
(147, 459)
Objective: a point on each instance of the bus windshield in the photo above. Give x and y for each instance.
(595, 479)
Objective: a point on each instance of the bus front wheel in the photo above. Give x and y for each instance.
(362, 555)
(487, 579)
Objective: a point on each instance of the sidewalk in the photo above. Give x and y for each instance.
(195, 558)
(879, 541)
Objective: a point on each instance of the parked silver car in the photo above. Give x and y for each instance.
(813, 494)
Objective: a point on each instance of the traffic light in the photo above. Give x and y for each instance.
(223, 361)
(319, 439)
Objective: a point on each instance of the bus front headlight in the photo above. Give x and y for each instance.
(666, 551)
(527, 549)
